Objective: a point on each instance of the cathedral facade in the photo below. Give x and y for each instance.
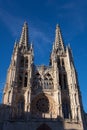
(42, 97)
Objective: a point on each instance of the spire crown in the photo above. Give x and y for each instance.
(24, 35)
(59, 45)
(57, 26)
(25, 24)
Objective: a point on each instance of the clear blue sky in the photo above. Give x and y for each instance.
(42, 17)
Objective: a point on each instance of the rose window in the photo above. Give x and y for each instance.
(42, 105)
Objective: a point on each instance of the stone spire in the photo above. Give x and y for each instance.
(59, 45)
(24, 36)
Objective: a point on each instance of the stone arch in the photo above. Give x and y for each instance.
(66, 108)
(37, 80)
(44, 127)
(48, 81)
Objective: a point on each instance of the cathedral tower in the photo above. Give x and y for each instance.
(19, 75)
(43, 97)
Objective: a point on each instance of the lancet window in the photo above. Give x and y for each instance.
(25, 79)
(62, 63)
(20, 80)
(65, 109)
(26, 61)
(48, 81)
(22, 61)
(9, 95)
(37, 81)
(65, 81)
(60, 80)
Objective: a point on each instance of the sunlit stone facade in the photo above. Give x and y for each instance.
(42, 97)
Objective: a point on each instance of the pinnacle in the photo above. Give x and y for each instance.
(58, 39)
(25, 24)
(24, 35)
(57, 26)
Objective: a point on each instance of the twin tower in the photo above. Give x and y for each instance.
(42, 97)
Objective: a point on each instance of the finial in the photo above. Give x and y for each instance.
(57, 25)
(25, 23)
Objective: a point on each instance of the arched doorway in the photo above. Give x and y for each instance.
(44, 127)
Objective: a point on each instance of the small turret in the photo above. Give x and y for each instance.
(58, 45)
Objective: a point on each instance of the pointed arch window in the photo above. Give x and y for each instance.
(25, 79)
(22, 61)
(65, 81)
(60, 80)
(65, 109)
(20, 80)
(26, 61)
(48, 81)
(9, 96)
(37, 81)
(63, 65)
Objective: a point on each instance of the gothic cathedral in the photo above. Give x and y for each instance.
(42, 97)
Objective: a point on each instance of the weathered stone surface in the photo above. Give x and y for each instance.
(42, 97)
